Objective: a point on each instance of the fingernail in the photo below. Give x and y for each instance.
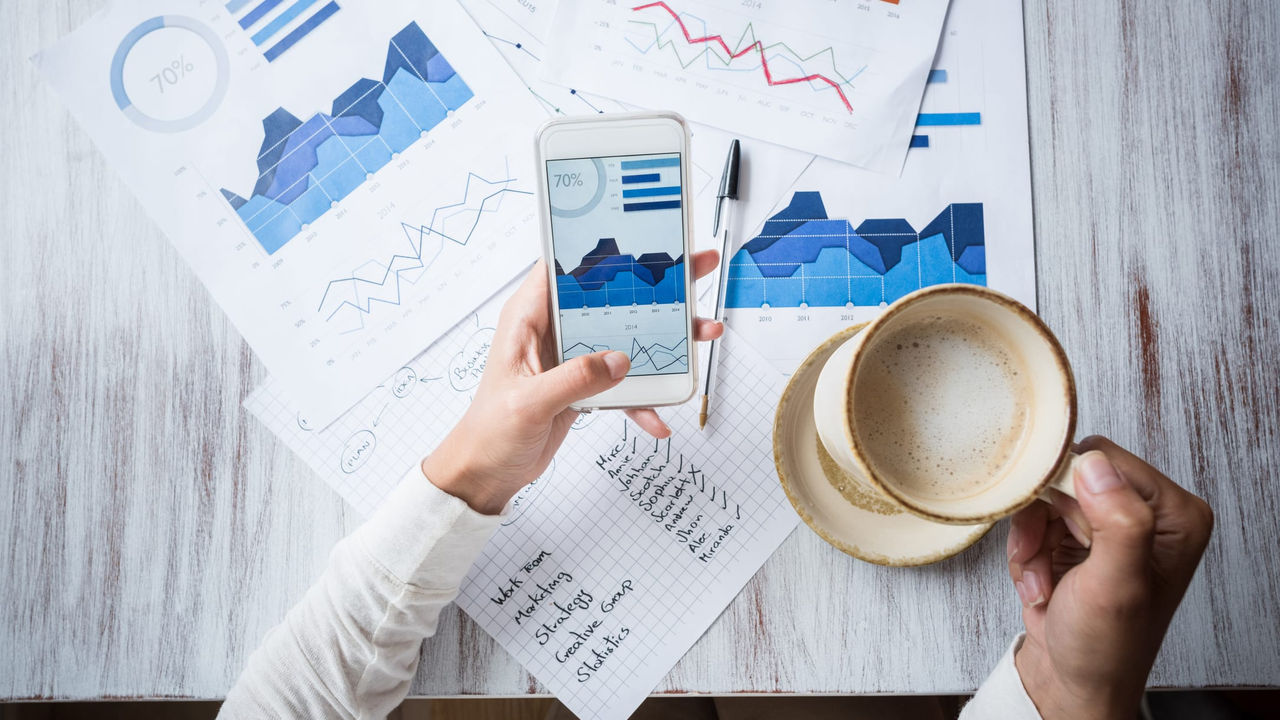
(1098, 474)
(618, 364)
(1034, 588)
(1022, 592)
(1076, 532)
(1010, 547)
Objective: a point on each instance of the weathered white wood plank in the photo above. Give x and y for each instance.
(150, 532)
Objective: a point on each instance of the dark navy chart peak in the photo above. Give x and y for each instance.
(607, 277)
(802, 257)
(306, 167)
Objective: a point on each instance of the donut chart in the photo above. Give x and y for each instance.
(169, 74)
(581, 190)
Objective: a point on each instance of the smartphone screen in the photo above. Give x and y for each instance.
(617, 233)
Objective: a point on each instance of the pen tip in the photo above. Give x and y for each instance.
(702, 414)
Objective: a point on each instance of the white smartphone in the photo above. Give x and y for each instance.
(614, 199)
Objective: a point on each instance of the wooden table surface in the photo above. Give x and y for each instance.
(151, 532)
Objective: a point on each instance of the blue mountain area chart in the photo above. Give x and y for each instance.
(608, 278)
(617, 301)
(803, 258)
(305, 168)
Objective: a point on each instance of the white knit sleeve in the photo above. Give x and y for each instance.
(350, 647)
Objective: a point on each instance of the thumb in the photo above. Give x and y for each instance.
(1123, 524)
(578, 379)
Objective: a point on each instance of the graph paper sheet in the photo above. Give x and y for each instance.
(614, 562)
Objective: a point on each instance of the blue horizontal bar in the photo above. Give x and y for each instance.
(651, 192)
(647, 177)
(650, 163)
(935, 119)
(301, 31)
(258, 13)
(659, 205)
(281, 20)
(919, 141)
(235, 5)
(937, 76)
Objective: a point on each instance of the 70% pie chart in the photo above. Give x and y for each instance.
(169, 73)
(577, 187)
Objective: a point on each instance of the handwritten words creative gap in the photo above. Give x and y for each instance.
(564, 614)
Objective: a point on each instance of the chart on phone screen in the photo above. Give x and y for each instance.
(617, 226)
(317, 168)
(840, 78)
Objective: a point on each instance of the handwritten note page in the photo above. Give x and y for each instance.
(614, 562)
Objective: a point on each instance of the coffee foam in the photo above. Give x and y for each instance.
(940, 407)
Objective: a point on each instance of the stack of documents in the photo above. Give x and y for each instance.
(353, 182)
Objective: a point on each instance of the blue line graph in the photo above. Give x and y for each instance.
(584, 99)
(517, 45)
(524, 55)
(647, 359)
(347, 300)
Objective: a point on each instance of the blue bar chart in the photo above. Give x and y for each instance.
(278, 25)
(664, 184)
(943, 119)
(939, 76)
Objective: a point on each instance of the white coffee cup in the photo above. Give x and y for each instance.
(1035, 453)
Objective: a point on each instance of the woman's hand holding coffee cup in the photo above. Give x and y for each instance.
(1096, 617)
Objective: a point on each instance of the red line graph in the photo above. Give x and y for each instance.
(758, 46)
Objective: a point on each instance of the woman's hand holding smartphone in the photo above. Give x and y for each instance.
(522, 409)
(616, 220)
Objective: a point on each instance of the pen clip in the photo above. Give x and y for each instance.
(728, 180)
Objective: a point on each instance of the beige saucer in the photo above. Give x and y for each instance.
(853, 519)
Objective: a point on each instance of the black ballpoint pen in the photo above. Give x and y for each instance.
(728, 191)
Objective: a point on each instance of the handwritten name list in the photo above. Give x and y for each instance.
(610, 566)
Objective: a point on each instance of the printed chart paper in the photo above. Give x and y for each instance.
(518, 30)
(766, 170)
(348, 182)
(842, 242)
(841, 79)
(614, 562)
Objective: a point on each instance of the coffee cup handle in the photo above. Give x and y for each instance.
(1064, 480)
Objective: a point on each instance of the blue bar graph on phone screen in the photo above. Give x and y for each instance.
(617, 226)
